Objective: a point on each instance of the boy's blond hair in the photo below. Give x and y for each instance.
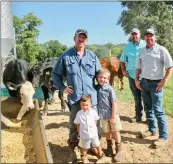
(86, 98)
(104, 70)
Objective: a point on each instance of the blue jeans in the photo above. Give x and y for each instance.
(153, 103)
(137, 98)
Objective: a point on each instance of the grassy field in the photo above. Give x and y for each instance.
(126, 95)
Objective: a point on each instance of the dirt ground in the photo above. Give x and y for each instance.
(136, 150)
(16, 146)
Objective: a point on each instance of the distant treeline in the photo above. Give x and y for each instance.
(139, 14)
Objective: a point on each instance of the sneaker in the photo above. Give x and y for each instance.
(159, 143)
(147, 134)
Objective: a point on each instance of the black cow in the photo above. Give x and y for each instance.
(42, 78)
(16, 79)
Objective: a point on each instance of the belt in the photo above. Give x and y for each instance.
(150, 81)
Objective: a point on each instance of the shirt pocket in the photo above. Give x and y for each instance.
(90, 67)
(71, 66)
(155, 55)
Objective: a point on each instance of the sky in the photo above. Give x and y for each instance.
(62, 19)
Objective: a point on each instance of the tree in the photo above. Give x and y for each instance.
(117, 51)
(146, 14)
(102, 52)
(51, 49)
(26, 37)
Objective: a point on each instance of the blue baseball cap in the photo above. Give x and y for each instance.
(81, 31)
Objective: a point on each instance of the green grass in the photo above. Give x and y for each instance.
(126, 96)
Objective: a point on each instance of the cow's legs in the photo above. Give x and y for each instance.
(122, 84)
(111, 80)
(55, 97)
(61, 97)
(46, 99)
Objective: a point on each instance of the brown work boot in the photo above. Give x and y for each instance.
(119, 152)
(72, 156)
(160, 143)
(146, 134)
(109, 151)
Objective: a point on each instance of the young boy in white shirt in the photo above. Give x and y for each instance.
(86, 120)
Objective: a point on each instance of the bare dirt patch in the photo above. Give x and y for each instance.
(136, 150)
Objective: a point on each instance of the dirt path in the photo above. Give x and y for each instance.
(136, 150)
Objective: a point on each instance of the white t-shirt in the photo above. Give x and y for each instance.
(87, 121)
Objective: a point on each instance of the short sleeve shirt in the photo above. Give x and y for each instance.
(130, 55)
(153, 62)
(105, 96)
(87, 121)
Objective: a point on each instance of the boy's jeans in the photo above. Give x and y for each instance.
(153, 103)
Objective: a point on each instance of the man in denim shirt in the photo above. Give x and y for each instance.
(129, 56)
(80, 66)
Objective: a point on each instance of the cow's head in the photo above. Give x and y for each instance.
(26, 92)
(48, 79)
(36, 77)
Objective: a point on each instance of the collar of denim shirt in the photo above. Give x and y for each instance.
(75, 50)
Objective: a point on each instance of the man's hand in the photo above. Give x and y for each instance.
(160, 85)
(68, 90)
(125, 73)
(137, 83)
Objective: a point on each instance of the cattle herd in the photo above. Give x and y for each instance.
(21, 81)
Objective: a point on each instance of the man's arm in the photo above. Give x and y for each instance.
(98, 65)
(123, 60)
(57, 77)
(57, 73)
(137, 82)
(123, 67)
(167, 76)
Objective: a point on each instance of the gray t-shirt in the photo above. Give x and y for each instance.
(153, 62)
(106, 96)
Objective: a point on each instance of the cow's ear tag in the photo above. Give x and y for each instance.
(12, 88)
(47, 73)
